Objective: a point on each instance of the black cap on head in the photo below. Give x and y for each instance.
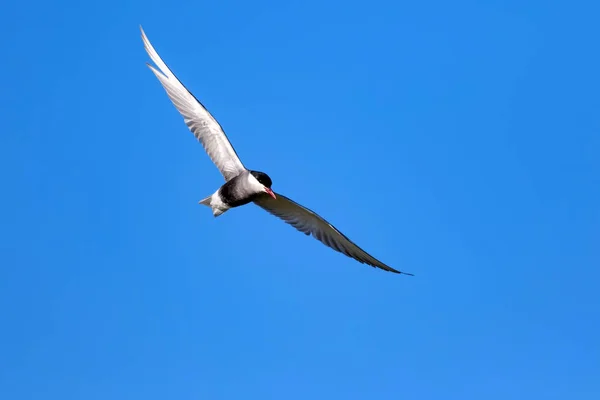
(262, 178)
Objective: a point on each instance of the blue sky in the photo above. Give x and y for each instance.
(455, 140)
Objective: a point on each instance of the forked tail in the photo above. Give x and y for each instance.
(205, 201)
(215, 203)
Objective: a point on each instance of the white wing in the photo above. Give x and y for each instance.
(206, 129)
(311, 223)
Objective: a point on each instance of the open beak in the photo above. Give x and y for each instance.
(270, 192)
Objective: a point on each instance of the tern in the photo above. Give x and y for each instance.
(243, 186)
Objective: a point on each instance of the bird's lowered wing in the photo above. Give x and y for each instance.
(311, 223)
(206, 129)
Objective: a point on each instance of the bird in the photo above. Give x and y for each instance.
(242, 185)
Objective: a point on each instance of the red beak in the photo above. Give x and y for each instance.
(270, 192)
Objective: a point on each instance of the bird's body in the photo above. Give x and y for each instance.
(238, 191)
(243, 186)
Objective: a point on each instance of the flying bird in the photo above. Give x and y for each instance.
(242, 185)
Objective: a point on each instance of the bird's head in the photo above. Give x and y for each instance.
(265, 181)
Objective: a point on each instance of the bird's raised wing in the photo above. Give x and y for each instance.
(311, 223)
(206, 129)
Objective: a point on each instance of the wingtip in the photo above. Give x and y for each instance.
(145, 39)
(399, 272)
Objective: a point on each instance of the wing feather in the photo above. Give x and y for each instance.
(310, 223)
(202, 124)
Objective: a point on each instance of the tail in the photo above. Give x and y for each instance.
(216, 206)
(205, 201)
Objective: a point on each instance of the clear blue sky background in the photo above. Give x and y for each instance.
(455, 140)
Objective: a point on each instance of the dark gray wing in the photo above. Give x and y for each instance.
(206, 129)
(311, 223)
